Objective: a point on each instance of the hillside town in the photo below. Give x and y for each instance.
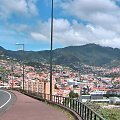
(64, 79)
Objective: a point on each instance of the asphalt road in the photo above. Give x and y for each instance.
(27, 108)
(6, 100)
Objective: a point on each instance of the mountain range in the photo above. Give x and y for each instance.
(90, 54)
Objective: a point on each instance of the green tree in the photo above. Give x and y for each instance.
(73, 95)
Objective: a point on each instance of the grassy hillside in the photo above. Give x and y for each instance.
(90, 54)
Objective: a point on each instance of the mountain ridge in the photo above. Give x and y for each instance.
(90, 54)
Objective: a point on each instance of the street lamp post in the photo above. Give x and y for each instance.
(51, 50)
(22, 61)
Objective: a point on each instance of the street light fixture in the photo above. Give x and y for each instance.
(51, 50)
(22, 61)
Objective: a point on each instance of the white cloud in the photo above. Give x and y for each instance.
(61, 25)
(111, 42)
(90, 27)
(98, 12)
(70, 33)
(102, 18)
(38, 36)
(66, 33)
(17, 7)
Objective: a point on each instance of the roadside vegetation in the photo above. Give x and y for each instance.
(110, 114)
(107, 113)
(67, 113)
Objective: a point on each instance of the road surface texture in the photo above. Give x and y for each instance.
(27, 108)
(6, 100)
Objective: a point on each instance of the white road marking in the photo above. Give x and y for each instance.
(7, 100)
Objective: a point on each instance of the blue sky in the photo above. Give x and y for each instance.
(76, 22)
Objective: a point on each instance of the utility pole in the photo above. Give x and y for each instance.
(51, 50)
(22, 63)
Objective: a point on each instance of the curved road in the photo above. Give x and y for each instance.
(6, 100)
(27, 108)
(5, 97)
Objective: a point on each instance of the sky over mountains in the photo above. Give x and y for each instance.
(76, 22)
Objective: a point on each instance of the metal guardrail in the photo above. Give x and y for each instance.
(85, 112)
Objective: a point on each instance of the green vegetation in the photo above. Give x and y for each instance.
(73, 95)
(107, 113)
(112, 75)
(67, 113)
(93, 106)
(110, 114)
(72, 56)
(17, 75)
(2, 69)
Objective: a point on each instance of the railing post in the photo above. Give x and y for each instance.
(70, 104)
(73, 103)
(76, 104)
(82, 111)
(87, 114)
(94, 116)
(65, 101)
(78, 108)
(58, 100)
(90, 115)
